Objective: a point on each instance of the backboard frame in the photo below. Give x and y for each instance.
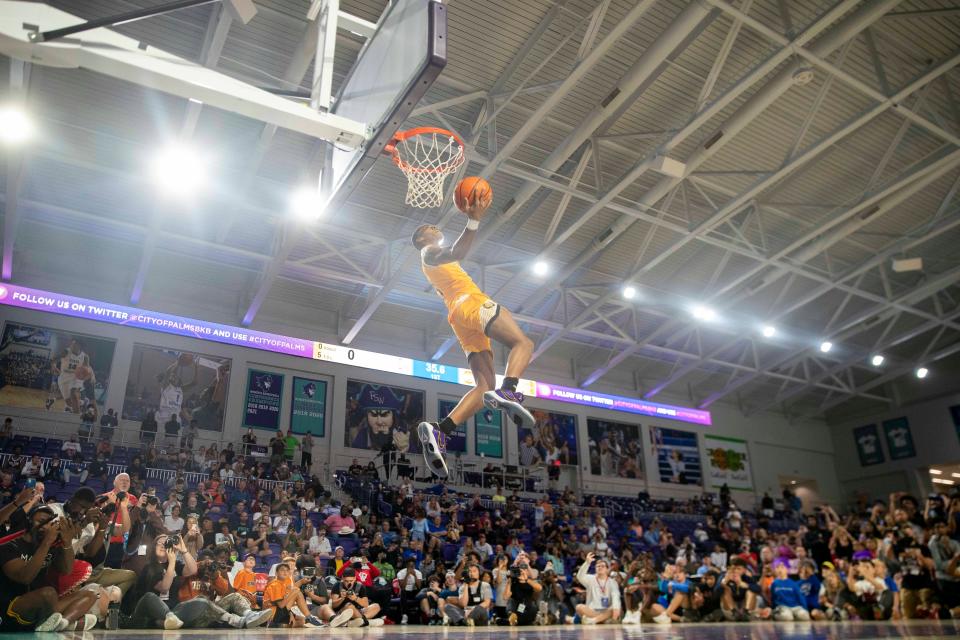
(407, 99)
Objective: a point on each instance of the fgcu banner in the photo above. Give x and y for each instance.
(728, 462)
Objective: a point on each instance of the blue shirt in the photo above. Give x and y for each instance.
(891, 584)
(787, 593)
(811, 591)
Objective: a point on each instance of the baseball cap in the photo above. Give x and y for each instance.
(249, 555)
(356, 513)
(828, 565)
(338, 547)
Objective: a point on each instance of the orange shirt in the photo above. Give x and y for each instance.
(451, 282)
(245, 581)
(276, 590)
(192, 587)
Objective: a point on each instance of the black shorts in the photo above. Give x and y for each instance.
(11, 622)
(281, 616)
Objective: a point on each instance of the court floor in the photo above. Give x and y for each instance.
(752, 631)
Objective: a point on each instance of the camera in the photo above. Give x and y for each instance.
(309, 572)
(121, 495)
(171, 542)
(516, 569)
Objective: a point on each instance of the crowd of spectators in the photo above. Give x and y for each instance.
(238, 550)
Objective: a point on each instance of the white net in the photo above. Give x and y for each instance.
(427, 159)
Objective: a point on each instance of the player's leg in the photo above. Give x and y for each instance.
(505, 330)
(481, 364)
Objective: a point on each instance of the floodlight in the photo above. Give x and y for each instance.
(541, 268)
(922, 372)
(179, 170)
(769, 331)
(703, 313)
(877, 360)
(15, 126)
(826, 346)
(629, 292)
(306, 204)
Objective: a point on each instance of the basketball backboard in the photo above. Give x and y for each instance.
(393, 71)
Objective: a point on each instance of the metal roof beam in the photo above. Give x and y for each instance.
(756, 104)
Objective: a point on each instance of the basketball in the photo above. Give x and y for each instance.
(185, 360)
(470, 189)
(83, 372)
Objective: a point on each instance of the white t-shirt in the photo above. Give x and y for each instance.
(320, 546)
(409, 582)
(601, 595)
(173, 524)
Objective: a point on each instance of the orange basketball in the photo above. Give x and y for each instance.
(82, 373)
(470, 189)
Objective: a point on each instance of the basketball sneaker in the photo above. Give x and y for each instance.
(512, 403)
(431, 450)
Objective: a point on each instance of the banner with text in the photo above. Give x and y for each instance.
(728, 462)
(868, 445)
(308, 409)
(899, 439)
(488, 433)
(264, 394)
(456, 442)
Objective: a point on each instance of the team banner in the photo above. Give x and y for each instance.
(616, 449)
(899, 439)
(308, 410)
(55, 370)
(176, 388)
(677, 454)
(456, 442)
(23, 297)
(488, 433)
(868, 445)
(728, 462)
(264, 394)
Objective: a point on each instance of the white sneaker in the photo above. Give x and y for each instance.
(403, 620)
(663, 619)
(431, 450)
(510, 402)
(171, 622)
(587, 620)
(341, 618)
(50, 624)
(376, 622)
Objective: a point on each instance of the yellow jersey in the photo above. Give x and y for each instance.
(451, 282)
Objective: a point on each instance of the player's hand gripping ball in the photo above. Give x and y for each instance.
(473, 196)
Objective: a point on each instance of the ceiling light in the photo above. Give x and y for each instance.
(793, 482)
(703, 313)
(768, 331)
(942, 481)
(936, 472)
(629, 292)
(826, 346)
(922, 372)
(540, 268)
(955, 475)
(306, 204)
(877, 360)
(179, 170)
(15, 126)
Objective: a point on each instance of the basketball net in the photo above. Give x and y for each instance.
(426, 156)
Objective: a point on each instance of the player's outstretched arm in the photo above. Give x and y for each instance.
(435, 255)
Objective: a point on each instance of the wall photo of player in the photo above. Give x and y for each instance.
(678, 456)
(553, 438)
(616, 449)
(55, 370)
(380, 415)
(183, 385)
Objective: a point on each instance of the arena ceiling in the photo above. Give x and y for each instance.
(821, 141)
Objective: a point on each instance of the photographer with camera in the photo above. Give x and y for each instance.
(350, 604)
(121, 522)
(474, 603)
(25, 566)
(315, 591)
(523, 592)
(603, 594)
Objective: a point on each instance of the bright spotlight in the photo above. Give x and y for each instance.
(629, 292)
(877, 360)
(826, 346)
(307, 204)
(769, 331)
(179, 170)
(15, 126)
(922, 372)
(541, 268)
(703, 313)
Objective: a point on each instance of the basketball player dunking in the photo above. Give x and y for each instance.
(475, 319)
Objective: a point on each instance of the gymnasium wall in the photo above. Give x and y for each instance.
(774, 449)
(935, 437)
